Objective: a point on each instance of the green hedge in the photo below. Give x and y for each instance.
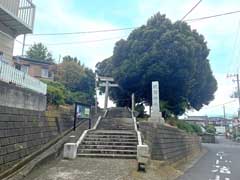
(183, 125)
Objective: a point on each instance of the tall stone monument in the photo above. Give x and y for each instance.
(156, 115)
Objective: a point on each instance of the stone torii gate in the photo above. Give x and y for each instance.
(107, 82)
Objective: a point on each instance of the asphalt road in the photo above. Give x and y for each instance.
(222, 162)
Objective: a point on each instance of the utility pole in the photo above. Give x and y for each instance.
(238, 90)
(224, 115)
(96, 101)
(23, 45)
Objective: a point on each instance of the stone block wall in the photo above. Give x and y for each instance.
(23, 132)
(208, 138)
(14, 96)
(168, 143)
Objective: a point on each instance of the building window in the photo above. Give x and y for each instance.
(17, 66)
(24, 68)
(1, 56)
(45, 73)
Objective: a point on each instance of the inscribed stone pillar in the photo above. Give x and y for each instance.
(156, 115)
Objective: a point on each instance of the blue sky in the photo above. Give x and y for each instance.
(76, 15)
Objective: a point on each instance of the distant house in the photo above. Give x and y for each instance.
(36, 68)
(200, 120)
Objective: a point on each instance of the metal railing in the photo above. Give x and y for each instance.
(24, 10)
(11, 75)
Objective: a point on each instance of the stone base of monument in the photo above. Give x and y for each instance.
(156, 118)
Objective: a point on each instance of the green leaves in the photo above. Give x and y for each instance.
(73, 83)
(39, 52)
(170, 53)
(77, 79)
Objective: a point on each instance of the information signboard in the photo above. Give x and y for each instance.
(82, 111)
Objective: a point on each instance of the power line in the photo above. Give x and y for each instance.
(19, 41)
(119, 29)
(83, 32)
(80, 42)
(129, 28)
(191, 10)
(212, 16)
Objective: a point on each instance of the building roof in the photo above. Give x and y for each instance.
(25, 58)
(197, 118)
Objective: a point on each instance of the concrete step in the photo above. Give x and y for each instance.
(110, 136)
(116, 127)
(106, 151)
(120, 147)
(117, 156)
(122, 143)
(112, 132)
(110, 139)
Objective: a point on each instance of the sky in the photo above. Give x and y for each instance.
(222, 34)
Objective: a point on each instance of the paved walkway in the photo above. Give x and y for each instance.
(85, 169)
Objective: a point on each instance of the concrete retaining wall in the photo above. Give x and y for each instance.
(208, 138)
(168, 143)
(13, 96)
(23, 132)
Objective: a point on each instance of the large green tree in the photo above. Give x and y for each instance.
(40, 52)
(170, 53)
(77, 78)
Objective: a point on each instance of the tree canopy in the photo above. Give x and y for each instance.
(39, 52)
(77, 78)
(163, 51)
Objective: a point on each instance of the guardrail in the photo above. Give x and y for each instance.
(24, 10)
(11, 75)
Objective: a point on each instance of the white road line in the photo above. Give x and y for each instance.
(217, 161)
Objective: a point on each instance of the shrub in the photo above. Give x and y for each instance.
(55, 95)
(183, 125)
(210, 129)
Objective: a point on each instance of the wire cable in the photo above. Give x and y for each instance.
(19, 41)
(80, 42)
(191, 10)
(83, 32)
(212, 16)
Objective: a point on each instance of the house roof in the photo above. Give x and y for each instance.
(25, 58)
(197, 118)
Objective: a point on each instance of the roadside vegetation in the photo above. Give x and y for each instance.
(210, 129)
(72, 80)
(185, 126)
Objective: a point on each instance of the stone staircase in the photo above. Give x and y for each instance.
(117, 119)
(114, 137)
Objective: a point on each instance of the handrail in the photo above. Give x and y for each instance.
(136, 128)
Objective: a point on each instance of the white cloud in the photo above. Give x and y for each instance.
(59, 17)
(222, 95)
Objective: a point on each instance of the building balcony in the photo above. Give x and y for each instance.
(17, 16)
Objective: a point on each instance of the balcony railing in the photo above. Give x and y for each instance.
(23, 10)
(11, 75)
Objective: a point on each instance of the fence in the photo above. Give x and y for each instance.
(22, 9)
(11, 75)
